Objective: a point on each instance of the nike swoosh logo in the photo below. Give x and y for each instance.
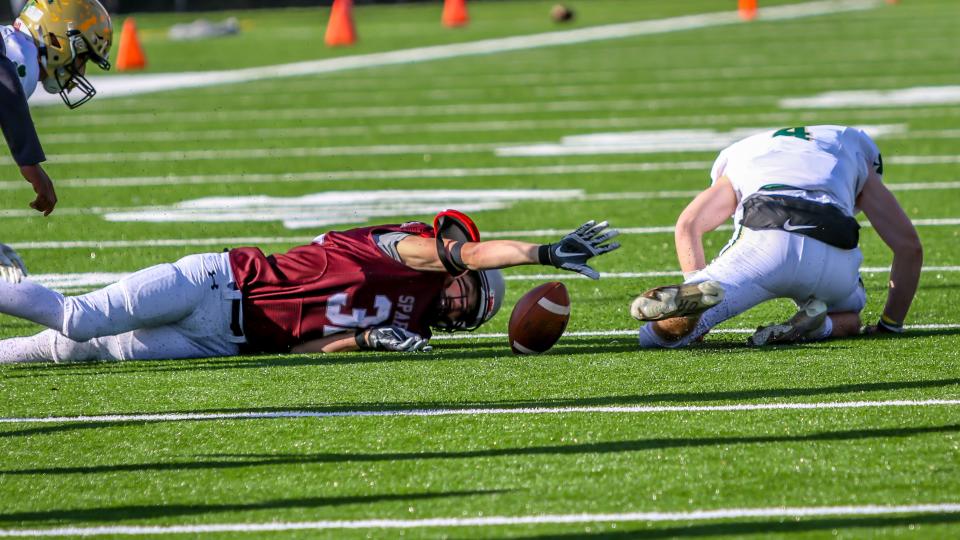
(561, 253)
(788, 227)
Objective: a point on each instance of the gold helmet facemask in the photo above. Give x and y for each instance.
(68, 33)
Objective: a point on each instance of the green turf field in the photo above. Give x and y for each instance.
(612, 440)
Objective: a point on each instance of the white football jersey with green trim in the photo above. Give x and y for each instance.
(827, 164)
(22, 51)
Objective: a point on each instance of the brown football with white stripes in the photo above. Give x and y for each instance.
(539, 319)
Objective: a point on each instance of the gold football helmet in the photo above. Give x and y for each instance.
(67, 34)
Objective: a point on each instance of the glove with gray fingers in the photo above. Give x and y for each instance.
(573, 250)
(12, 268)
(391, 338)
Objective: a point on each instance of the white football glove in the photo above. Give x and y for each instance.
(12, 268)
(392, 338)
(574, 250)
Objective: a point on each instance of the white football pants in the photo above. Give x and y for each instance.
(768, 264)
(180, 310)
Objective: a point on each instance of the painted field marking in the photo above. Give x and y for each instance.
(207, 116)
(500, 148)
(328, 208)
(382, 203)
(577, 72)
(71, 282)
(635, 122)
(651, 142)
(354, 175)
(918, 95)
(633, 332)
(599, 409)
(133, 84)
(780, 512)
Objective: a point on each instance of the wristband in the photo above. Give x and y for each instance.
(543, 255)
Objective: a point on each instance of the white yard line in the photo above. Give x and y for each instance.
(271, 116)
(633, 332)
(354, 175)
(259, 134)
(500, 148)
(774, 512)
(133, 85)
(291, 208)
(71, 282)
(620, 121)
(605, 409)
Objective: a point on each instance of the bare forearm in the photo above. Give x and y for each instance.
(499, 254)
(689, 250)
(904, 278)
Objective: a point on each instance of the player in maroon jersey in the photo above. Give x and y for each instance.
(372, 288)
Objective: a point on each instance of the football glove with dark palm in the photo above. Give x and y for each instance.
(392, 338)
(574, 250)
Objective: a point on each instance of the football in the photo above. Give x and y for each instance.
(561, 13)
(539, 319)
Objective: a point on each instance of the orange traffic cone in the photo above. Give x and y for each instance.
(340, 30)
(130, 56)
(748, 9)
(455, 13)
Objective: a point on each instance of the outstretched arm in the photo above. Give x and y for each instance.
(570, 253)
(705, 213)
(895, 229)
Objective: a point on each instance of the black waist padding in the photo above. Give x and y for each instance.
(824, 222)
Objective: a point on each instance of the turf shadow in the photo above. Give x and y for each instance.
(445, 351)
(121, 513)
(671, 397)
(762, 528)
(667, 397)
(234, 461)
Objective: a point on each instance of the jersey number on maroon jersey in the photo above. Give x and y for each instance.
(342, 317)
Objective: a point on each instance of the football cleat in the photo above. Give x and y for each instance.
(805, 324)
(676, 301)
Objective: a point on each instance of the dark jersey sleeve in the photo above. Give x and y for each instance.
(15, 118)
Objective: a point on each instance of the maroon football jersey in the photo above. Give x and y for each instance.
(340, 283)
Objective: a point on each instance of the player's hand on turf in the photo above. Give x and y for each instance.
(12, 268)
(46, 196)
(392, 338)
(574, 250)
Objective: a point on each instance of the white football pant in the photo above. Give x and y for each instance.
(768, 264)
(180, 310)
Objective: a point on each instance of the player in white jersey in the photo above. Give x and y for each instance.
(50, 42)
(793, 194)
